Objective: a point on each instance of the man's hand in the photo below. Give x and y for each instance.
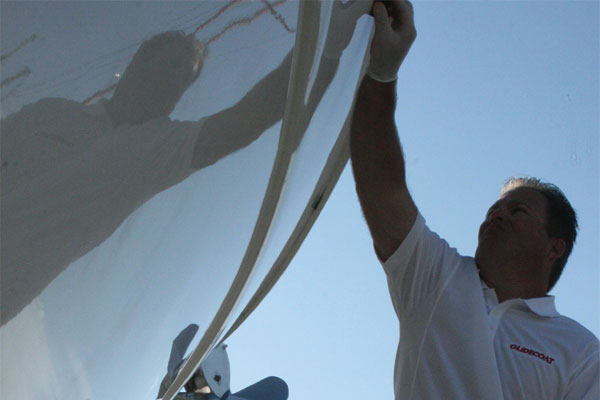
(394, 34)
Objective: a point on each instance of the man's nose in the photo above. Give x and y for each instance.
(499, 213)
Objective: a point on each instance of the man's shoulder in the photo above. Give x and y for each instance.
(575, 331)
(565, 336)
(424, 251)
(52, 124)
(52, 104)
(421, 237)
(46, 109)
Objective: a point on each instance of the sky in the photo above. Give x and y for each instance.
(489, 90)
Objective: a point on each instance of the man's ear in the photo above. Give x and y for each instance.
(558, 247)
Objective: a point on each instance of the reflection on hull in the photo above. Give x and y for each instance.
(120, 224)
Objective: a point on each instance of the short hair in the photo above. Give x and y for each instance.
(561, 220)
(168, 39)
(161, 40)
(165, 90)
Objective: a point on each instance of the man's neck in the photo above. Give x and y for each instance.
(512, 282)
(115, 113)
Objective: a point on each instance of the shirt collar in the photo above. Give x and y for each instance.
(542, 306)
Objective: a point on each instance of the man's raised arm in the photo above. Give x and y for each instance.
(377, 159)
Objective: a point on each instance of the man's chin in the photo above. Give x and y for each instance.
(484, 253)
(477, 257)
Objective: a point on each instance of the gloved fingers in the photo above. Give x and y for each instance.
(394, 34)
(382, 19)
(402, 13)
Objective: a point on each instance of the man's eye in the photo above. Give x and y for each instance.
(520, 209)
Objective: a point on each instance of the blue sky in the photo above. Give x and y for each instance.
(489, 90)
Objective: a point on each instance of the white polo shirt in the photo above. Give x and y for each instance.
(69, 180)
(457, 342)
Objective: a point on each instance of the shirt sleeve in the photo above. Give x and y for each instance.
(419, 270)
(156, 156)
(585, 381)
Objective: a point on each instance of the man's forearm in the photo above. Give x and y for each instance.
(375, 148)
(239, 125)
(378, 166)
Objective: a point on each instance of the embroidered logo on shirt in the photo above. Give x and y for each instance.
(533, 353)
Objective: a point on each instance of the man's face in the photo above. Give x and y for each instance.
(174, 65)
(156, 81)
(514, 231)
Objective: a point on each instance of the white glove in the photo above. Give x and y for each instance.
(394, 34)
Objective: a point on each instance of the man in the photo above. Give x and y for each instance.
(471, 328)
(71, 174)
